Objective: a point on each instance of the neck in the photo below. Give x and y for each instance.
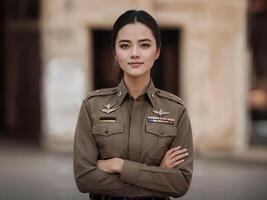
(136, 85)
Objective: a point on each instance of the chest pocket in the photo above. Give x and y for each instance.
(158, 140)
(107, 129)
(110, 139)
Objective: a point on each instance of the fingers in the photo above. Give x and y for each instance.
(175, 156)
(176, 163)
(170, 151)
(177, 152)
(179, 157)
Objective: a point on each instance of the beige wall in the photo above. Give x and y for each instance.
(214, 70)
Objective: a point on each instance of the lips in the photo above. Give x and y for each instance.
(135, 64)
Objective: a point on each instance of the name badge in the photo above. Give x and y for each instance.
(107, 119)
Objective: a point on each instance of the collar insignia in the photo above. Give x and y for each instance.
(108, 108)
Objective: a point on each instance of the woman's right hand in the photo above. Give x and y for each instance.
(173, 157)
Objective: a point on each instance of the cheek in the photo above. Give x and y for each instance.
(121, 56)
(151, 57)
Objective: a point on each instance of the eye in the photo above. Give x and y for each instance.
(124, 46)
(145, 45)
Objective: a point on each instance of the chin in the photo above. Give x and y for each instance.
(135, 74)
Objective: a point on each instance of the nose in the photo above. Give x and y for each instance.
(135, 52)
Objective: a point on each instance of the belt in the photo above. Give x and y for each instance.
(107, 197)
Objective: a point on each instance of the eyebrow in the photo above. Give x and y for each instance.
(145, 40)
(142, 40)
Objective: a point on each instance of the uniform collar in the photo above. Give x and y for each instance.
(122, 92)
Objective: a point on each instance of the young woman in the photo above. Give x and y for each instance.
(133, 141)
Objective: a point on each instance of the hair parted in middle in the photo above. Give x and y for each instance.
(131, 17)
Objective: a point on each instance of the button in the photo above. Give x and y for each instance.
(114, 89)
(119, 94)
(106, 131)
(97, 91)
(171, 95)
(158, 91)
(152, 95)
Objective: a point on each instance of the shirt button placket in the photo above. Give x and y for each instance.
(134, 133)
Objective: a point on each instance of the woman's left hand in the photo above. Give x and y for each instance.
(113, 165)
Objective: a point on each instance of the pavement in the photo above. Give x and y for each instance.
(28, 173)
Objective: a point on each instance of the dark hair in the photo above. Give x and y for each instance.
(133, 16)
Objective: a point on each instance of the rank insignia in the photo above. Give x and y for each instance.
(162, 120)
(108, 108)
(160, 113)
(107, 119)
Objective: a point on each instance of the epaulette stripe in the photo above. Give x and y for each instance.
(170, 96)
(101, 92)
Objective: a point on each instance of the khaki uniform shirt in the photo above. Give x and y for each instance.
(113, 124)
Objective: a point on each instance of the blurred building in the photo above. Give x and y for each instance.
(257, 41)
(54, 51)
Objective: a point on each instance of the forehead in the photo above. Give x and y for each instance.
(135, 31)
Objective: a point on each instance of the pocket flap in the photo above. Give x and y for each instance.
(161, 130)
(107, 129)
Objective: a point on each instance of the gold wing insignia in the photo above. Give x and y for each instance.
(161, 113)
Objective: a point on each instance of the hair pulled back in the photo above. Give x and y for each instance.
(131, 17)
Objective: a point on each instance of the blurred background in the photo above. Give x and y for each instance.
(214, 56)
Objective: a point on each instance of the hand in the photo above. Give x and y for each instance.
(113, 165)
(173, 157)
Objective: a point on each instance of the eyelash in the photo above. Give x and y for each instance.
(124, 46)
(143, 45)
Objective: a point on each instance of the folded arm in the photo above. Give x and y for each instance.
(172, 177)
(88, 177)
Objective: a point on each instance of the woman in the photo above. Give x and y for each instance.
(133, 141)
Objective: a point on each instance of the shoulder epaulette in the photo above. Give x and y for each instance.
(101, 92)
(170, 96)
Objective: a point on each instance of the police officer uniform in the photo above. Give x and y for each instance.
(112, 124)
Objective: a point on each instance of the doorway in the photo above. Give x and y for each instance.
(2, 68)
(20, 71)
(257, 42)
(165, 72)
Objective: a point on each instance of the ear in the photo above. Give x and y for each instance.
(157, 53)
